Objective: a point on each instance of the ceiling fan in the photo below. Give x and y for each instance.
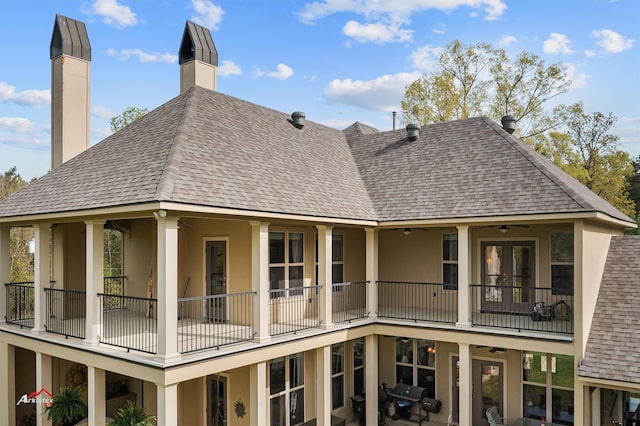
(505, 228)
(493, 349)
(407, 231)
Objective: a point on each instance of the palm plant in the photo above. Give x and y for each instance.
(67, 408)
(131, 415)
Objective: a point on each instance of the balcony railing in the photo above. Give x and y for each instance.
(349, 301)
(522, 308)
(293, 309)
(213, 321)
(66, 312)
(133, 325)
(418, 301)
(20, 304)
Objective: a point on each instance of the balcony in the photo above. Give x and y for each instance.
(349, 301)
(293, 309)
(20, 304)
(418, 301)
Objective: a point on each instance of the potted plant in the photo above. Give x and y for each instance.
(131, 415)
(67, 407)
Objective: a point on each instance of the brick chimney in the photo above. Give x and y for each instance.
(70, 60)
(198, 58)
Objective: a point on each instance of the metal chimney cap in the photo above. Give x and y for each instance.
(509, 123)
(298, 118)
(413, 131)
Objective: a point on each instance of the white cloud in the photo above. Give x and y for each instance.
(114, 13)
(440, 28)
(32, 97)
(207, 14)
(229, 68)
(426, 57)
(376, 9)
(283, 72)
(589, 53)
(611, 41)
(102, 112)
(578, 80)
(98, 134)
(16, 124)
(557, 43)
(506, 40)
(382, 94)
(378, 32)
(143, 56)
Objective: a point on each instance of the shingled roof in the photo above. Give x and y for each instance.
(205, 148)
(465, 168)
(612, 346)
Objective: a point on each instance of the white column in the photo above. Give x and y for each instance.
(464, 277)
(260, 279)
(258, 397)
(466, 384)
(371, 377)
(5, 270)
(325, 273)
(7, 384)
(371, 274)
(167, 304)
(44, 380)
(323, 386)
(94, 282)
(167, 404)
(41, 276)
(97, 396)
(595, 418)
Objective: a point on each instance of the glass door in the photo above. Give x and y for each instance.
(216, 280)
(216, 400)
(507, 276)
(487, 390)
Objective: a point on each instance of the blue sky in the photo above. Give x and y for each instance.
(339, 61)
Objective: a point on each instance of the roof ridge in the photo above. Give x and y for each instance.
(167, 180)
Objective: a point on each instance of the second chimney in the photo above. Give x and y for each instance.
(198, 58)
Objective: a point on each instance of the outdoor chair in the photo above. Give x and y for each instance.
(494, 417)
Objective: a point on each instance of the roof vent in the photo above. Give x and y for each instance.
(509, 123)
(413, 132)
(297, 118)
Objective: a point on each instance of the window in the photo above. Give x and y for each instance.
(358, 366)
(337, 376)
(562, 263)
(543, 375)
(450, 261)
(286, 261)
(337, 260)
(416, 363)
(286, 390)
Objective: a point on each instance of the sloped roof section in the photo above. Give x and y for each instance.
(465, 168)
(206, 148)
(612, 347)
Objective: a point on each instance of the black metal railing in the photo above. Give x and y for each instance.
(417, 301)
(522, 308)
(213, 321)
(114, 286)
(349, 301)
(20, 304)
(134, 325)
(293, 309)
(66, 312)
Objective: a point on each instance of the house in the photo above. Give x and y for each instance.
(278, 271)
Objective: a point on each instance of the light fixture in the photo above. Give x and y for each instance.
(160, 213)
(406, 231)
(503, 228)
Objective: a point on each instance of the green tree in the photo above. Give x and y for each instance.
(634, 189)
(127, 117)
(582, 145)
(482, 80)
(21, 259)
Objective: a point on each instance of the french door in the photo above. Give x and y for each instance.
(216, 400)
(487, 389)
(216, 280)
(508, 276)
